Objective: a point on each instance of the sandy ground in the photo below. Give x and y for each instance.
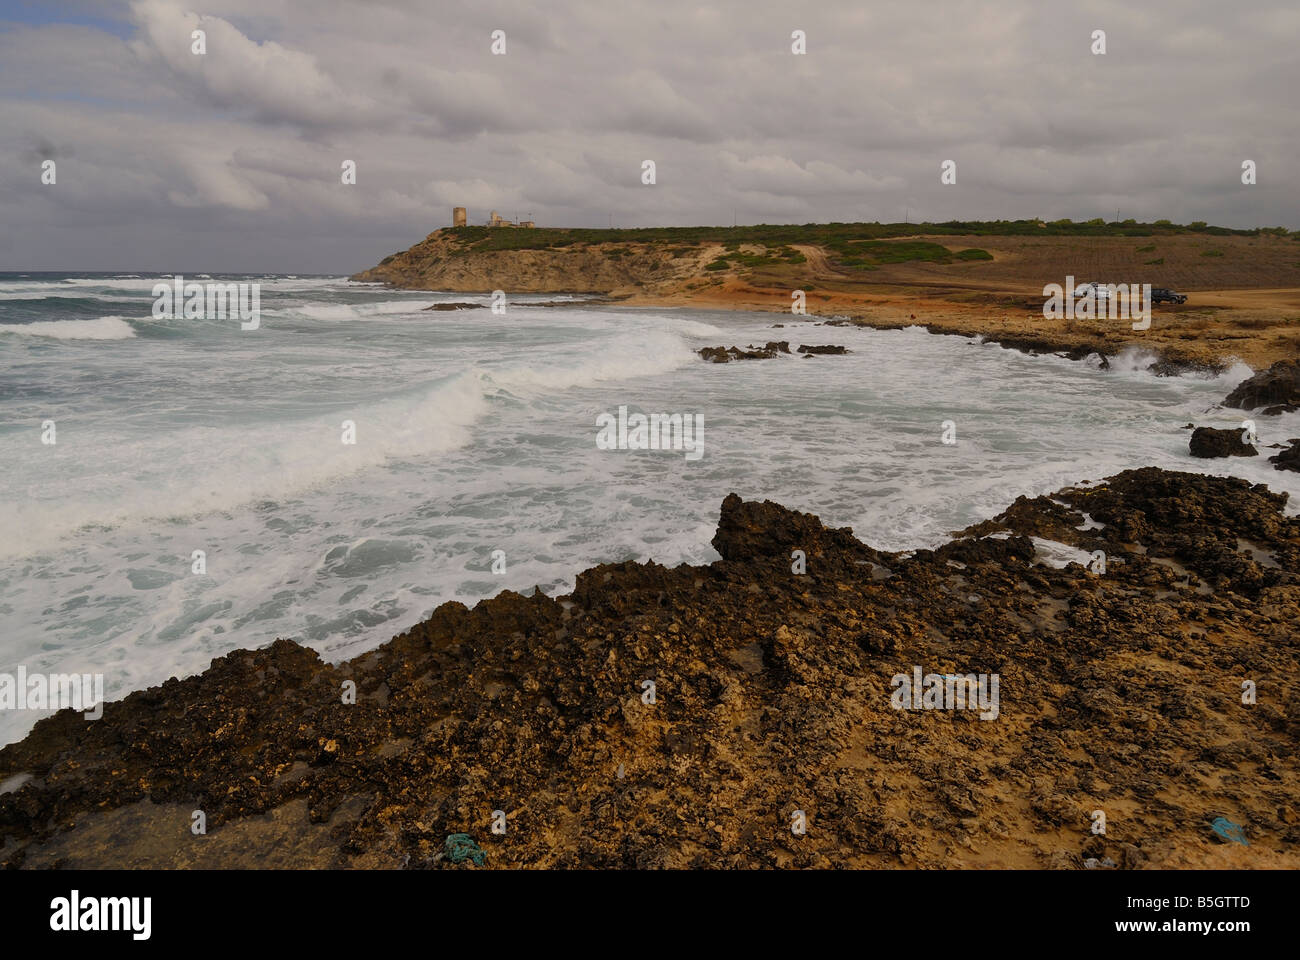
(1215, 326)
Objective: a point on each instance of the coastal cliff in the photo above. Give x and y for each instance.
(772, 698)
(447, 260)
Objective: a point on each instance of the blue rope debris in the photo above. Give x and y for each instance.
(461, 847)
(1232, 832)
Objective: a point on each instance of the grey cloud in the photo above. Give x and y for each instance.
(231, 161)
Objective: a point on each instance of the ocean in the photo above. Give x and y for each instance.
(475, 466)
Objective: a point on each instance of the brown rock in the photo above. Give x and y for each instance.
(1279, 384)
(1288, 459)
(1208, 442)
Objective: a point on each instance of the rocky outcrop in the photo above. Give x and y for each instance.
(1288, 459)
(1209, 442)
(767, 531)
(660, 717)
(1279, 384)
(726, 354)
(448, 260)
(766, 352)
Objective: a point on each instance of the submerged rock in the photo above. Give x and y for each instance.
(456, 306)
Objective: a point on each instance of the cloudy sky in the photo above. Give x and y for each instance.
(231, 160)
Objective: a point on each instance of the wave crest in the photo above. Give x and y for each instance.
(101, 328)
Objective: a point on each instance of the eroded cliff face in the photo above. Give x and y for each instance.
(439, 262)
(1120, 691)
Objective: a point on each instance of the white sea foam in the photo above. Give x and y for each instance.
(102, 328)
(475, 432)
(692, 328)
(629, 355)
(346, 311)
(201, 469)
(1052, 553)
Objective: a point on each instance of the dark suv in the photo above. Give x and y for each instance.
(1163, 295)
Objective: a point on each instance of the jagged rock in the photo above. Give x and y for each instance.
(749, 530)
(1209, 442)
(827, 349)
(727, 354)
(1279, 384)
(771, 693)
(1288, 459)
(988, 550)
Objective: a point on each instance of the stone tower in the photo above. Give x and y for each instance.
(458, 218)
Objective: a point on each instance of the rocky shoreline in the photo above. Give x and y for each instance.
(687, 717)
(1271, 392)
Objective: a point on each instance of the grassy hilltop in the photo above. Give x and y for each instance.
(608, 260)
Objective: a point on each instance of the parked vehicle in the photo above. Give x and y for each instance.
(1097, 290)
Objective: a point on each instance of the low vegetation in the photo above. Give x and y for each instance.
(832, 236)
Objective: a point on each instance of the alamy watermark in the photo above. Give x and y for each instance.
(658, 431)
(1087, 301)
(75, 913)
(53, 691)
(177, 300)
(946, 691)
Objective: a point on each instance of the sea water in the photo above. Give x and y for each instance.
(475, 466)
